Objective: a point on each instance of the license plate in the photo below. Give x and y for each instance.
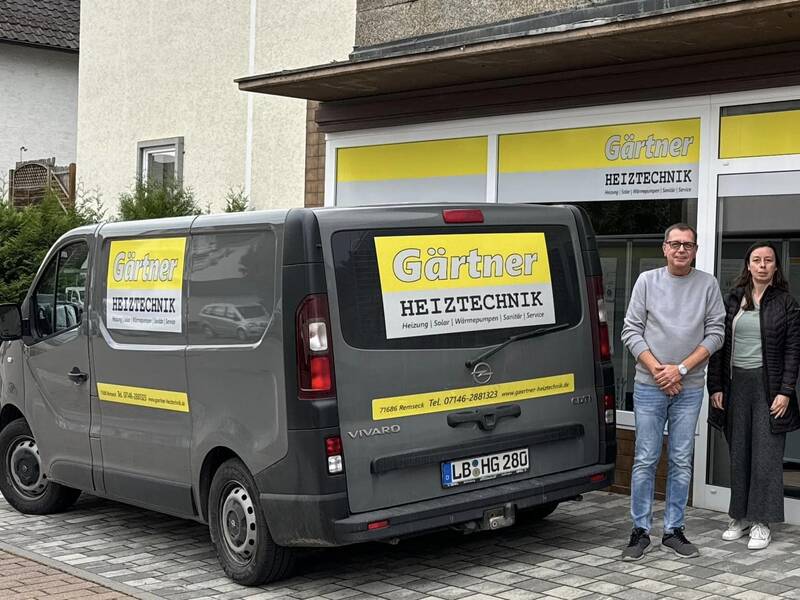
(481, 468)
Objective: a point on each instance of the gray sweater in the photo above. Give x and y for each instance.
(671, 316)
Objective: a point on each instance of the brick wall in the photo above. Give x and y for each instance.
(315, 159)
(626, 440)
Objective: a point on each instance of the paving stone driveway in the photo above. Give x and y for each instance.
(572, 554)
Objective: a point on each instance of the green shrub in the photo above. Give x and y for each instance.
(25, 237)
(155, 200)
(236, 200)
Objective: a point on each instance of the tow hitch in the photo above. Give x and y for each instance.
(497, 518)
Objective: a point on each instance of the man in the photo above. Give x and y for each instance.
(674, 323)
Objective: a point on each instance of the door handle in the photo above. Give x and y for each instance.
(77, 376)
(486, 418)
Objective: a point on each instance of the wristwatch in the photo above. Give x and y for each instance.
(682, 370)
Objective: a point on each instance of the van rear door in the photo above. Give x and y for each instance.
(416, 304)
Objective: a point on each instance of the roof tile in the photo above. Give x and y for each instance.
(51, 23)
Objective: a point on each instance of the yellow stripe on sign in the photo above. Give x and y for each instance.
(764, 134)
(458, 261)
(413, 160)
(146, 264)
(150, 398)
(484, 395)
(627, 145)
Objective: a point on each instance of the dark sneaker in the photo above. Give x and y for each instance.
(678, 543)
(637, 546)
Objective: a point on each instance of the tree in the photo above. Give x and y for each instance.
(155, 200)
(236, 200)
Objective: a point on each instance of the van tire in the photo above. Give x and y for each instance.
(29, 494)
(537, 513)
(233, 494)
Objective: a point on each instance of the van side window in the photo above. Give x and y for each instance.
(58, 301)
(231, 287)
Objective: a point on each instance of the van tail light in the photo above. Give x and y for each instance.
(314, 352)
(600, 318)
(609, 406)
(333, 450)
(604, 377)
(462, 215)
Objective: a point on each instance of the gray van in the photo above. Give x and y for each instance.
(394, 370)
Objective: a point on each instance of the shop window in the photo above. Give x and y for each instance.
(629, 238)
(633, 179)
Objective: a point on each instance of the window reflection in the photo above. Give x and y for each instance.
(231, 296)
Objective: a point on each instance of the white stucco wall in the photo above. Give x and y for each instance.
(38, 105)
(152, 70)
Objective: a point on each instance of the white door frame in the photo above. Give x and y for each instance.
(706, 495)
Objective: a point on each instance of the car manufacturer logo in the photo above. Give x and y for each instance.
(482, 373)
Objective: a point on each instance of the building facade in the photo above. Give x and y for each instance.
(39, 80)
(644, 113)
(158, 98)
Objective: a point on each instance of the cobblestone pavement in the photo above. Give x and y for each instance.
(572, 554)
(24, 579)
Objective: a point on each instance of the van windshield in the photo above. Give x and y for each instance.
(361, 299)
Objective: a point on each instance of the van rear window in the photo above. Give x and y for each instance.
(361, 299)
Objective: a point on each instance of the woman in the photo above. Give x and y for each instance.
(752, 381)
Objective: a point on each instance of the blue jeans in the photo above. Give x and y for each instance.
(652, 408)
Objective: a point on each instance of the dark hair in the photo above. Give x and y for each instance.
(680, 227)
(745, 279)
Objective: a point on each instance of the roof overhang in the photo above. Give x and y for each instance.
(711, 27)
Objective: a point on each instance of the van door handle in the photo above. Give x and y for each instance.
(77, 376)
(486, 418)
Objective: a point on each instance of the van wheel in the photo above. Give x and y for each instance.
(245, 548)
(537, 513)
(22, 481)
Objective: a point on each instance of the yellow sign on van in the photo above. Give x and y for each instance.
(136, 396)
(145, 284)
(434, 284)
(484, 395)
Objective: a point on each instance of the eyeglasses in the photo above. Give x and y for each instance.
(688, 246)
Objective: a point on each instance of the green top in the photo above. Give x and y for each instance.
(747, 340)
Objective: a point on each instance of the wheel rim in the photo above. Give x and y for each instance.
(238, 518)
(25, 467)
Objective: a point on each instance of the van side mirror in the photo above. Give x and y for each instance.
(10, 322)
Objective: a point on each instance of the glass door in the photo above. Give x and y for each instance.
(751, 207)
